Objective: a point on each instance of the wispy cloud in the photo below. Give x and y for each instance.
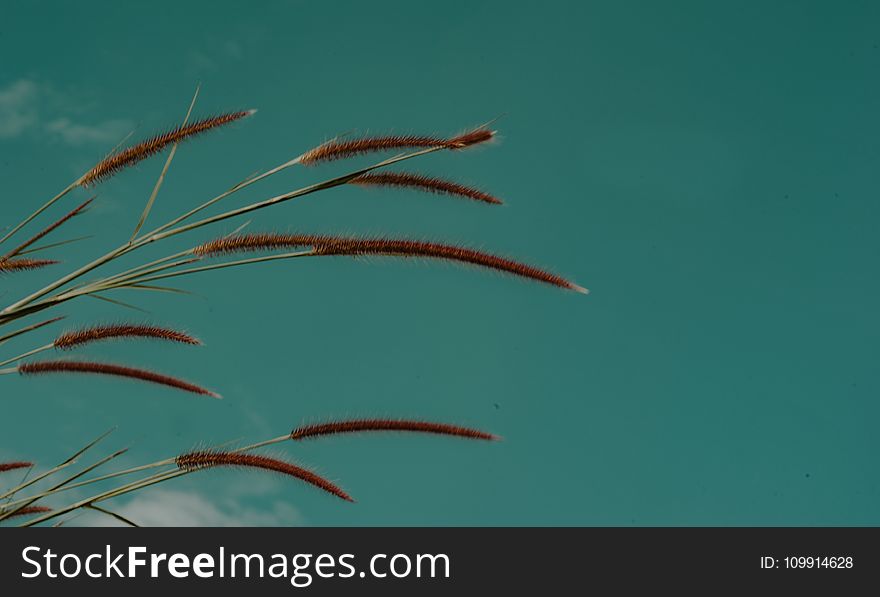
(109, 131)
(171, 508)
(213, 59)
(18, 110)
(30, 108)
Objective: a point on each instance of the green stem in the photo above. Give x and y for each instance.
(27, 354)
(141, 483)
(157, 236)
(205, 268)
(45, 206)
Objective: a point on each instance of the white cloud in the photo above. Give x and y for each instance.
(27, 107)
(201, 62)
(219, 55)
(170, 508)
(18, 109)
(109, 131)
(233, 50)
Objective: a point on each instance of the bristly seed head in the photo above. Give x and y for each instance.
(342, 149)
(355, 246)
(420, 182)
(11, 466)
(474, 137)
(43, 367)
(211, 458)
(28, 510)
(47, 230)
(23, 264)
(362, 425)
(105, 332)
(119, 160)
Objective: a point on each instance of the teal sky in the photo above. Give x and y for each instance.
(708, 170)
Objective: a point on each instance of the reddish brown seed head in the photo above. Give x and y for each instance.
(23, 264)
(474, 137)
(421, 182)
(344, 149)
(366, 425)
(433, 250)
(48, 367)
(114, 331)
(47, 230)
(245, 243)
(28, 510)
(11, 466)
(340, 149)
(211, 458)
(354, 246)
(121, 159)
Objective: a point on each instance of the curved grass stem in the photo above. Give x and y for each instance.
(135, 485)
(7, 313)
(27, 354)
(39, 211)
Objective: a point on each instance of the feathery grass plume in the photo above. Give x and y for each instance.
(44, 367)
(23, 264)
(354, 246)
(47, 230)
(97, 333)
(119, 160)
(28, 510)
(210, 458)
(361, 425)
(12, 466)
(251, 242)
(474, 137)
(343, 149)
(421, 182)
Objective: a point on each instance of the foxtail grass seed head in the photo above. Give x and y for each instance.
(67, 367)
(16, 260)
(340, 149)
(97, 333)
(366, 425)
(49, 229)
(12, 466)
(355, 246)
(24, 264)
(249, 243)
(211, 458)
(29, 510)
(470, 138)
(421, 182)
(129, 156)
